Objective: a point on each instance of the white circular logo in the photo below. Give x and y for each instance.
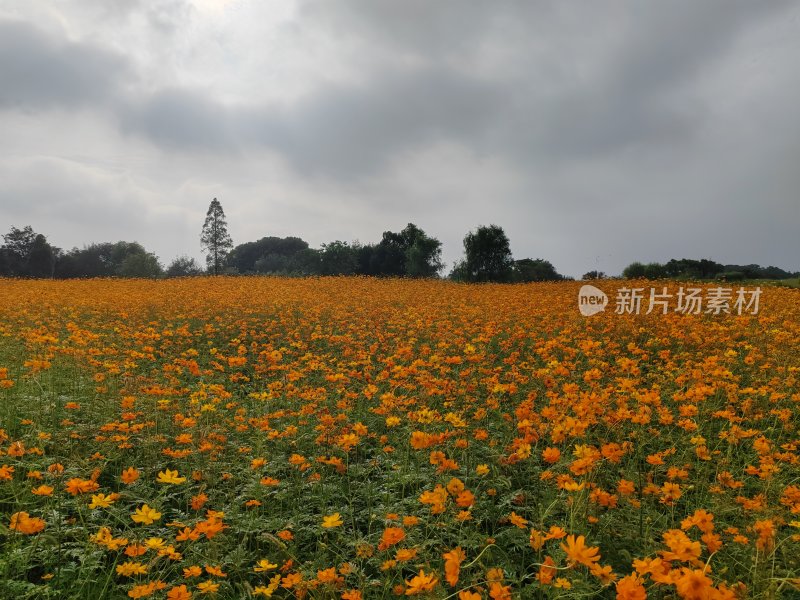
(591, 300)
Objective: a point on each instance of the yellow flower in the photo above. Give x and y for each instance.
(101, 501)
(334, 520)
(130, 568)
(208, 587)
(145, 515)
(168, 476)
(264, 565)
(268, 590)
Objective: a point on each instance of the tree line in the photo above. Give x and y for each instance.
(407, 253)
(686, 268)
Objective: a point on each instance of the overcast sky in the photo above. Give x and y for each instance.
(594, 133)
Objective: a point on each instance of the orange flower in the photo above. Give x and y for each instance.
(329, 576)
(517, 520)
(6, 473)
(419, 584)
(129, 475)
(42, 490)
(547, 571)
(208, 587)
(680, 547)
(146, 589)
(555, 533)
(465, 499)
(410, 521)
(551, 455)
(390, 537)
(179, 592)
(285, 535)
(455, 486)
(578, 552)
(198, 501)
(16, 449)
(215, 570)
(405, 554)
(693, 584)
(701, 519)
(193, 571)
(766, 534)
(670, 493)
(134, 550)
(536, 539)
(77, 486)
(452, 565)
(658, 569)
(630, 588)
(498, 591)
(24, 523)
(625, 487)
(436, 499)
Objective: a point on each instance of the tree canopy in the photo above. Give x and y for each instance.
(488, 256)
(214, 238)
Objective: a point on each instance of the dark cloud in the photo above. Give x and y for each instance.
(638, 93)
(38, 71)
(354, 130)
(179, 119)
(596, 134)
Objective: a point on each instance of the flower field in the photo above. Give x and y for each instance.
(357, 438)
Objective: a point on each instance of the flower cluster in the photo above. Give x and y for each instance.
(357, 438)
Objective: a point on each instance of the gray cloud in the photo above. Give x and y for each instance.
(39, 72)
(180, 119)
(638, 94)
(618, 131)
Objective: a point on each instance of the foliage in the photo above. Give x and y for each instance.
(487, 256)
(686, 268)
(214, 238)
(637, 270)
(538, 269)
(274, 253)
(26, 253)
(410, 252)
(338, 258)
(594, 275)
(118, 259)
(183, 266)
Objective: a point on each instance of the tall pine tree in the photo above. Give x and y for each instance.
(214, 238)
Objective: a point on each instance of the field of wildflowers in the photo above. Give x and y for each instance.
(354, 438)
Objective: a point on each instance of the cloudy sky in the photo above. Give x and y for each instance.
(594, 133)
